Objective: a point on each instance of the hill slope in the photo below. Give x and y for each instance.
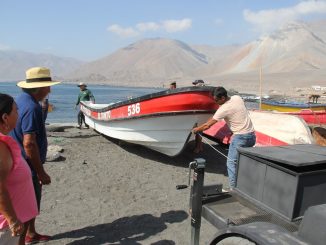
(292, 56)
(297, 52)
(146, 62)
(293, 48)
(13, 64)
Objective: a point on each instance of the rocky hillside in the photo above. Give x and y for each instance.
(293, 48)
(147, 62)
(13, 64)
(293, 56)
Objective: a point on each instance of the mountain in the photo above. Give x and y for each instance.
(153, 62)
(318, 27)
(13, 64)
(293, 48)
(293, 56)
(148, 62)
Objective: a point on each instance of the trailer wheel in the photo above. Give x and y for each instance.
(232, 240)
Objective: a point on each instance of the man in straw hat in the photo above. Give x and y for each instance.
(84, 95)
(31, 135)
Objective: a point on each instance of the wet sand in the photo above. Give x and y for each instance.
(108, 192)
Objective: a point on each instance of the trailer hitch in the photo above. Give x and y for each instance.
(196, 193)
(191, 165)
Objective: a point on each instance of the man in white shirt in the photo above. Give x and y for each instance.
(233, 111)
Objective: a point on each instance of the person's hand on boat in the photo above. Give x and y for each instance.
(196, 130)
(204, 126)
(44, 178)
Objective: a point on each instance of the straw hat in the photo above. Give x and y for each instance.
(37, 77)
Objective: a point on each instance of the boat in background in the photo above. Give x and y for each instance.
(311, 113)
(281, 106)
(280, 129)
(161, 121)
(272, 129)
(311, 117)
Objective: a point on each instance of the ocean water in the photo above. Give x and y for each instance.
(64, 97)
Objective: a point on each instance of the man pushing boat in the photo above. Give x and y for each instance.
(233, 111)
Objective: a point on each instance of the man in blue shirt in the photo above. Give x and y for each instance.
(31, 135)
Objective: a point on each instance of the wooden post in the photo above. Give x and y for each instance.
(260, 86)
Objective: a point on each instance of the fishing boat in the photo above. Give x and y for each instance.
(310, 116)
(161, 121)
(270, 129)
(283, 106)
(311, 113)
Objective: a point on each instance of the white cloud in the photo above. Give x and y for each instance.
(268, 20)
(148, 26)
(166, 25)
(176, 25)
(123, 32)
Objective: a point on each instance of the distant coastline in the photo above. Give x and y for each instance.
(295, 94)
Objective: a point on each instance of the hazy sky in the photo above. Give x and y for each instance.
(91, 29)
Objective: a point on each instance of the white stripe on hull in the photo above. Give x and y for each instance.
(165, 134)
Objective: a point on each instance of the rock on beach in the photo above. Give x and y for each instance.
(106, 193)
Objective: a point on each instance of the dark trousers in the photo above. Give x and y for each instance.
(37, 186)
(38, 191)
(81, 118)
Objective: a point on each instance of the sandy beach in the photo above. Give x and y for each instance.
(109, 192)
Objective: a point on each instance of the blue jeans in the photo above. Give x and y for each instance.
(238, 140)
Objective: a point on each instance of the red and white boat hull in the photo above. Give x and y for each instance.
(272, 129)
(310, 116)
(161, 121)
(165, 134)
(280, 129)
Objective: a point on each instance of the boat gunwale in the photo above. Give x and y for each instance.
(155, 115)
(151, 96)
(293, 104)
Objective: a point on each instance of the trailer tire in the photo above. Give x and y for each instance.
(231, 240)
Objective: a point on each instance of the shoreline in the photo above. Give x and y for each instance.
(299, 94)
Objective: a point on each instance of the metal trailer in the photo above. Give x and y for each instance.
(280, 198)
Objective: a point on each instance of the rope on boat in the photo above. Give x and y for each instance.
(206, 141)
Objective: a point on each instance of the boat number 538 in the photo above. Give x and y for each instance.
(133, 109)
